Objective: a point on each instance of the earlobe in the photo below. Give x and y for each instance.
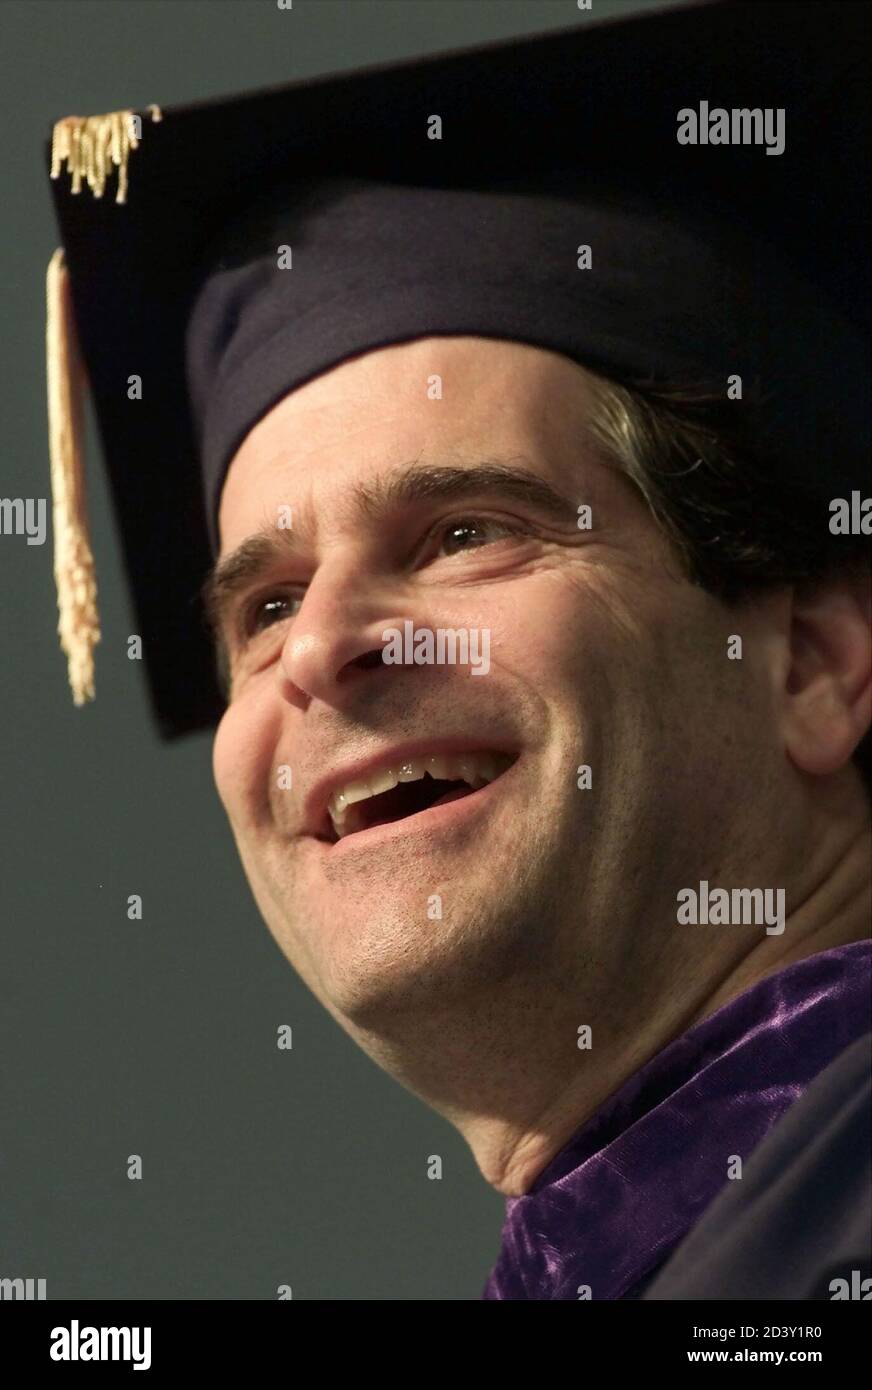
(828, 690)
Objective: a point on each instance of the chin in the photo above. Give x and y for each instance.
(375, 969)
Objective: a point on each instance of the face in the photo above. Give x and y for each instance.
(367, 500)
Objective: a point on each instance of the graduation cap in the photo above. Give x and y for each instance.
(224, 253)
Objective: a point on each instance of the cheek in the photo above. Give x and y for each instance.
(242, 758)
(554, 637)
(605, 648)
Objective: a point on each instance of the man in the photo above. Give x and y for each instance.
(546, 674)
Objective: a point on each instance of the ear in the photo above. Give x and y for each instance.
(828, 691)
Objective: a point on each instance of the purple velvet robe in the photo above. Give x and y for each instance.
(612, 1206)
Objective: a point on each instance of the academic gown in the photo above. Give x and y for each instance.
(733, 1164)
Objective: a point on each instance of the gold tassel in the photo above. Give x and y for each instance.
(78, 622)
(91, 145)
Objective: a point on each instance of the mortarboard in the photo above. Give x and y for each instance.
(451, 194)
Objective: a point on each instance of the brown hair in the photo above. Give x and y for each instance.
(735, 528)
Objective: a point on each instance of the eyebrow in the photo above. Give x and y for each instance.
(235, 572)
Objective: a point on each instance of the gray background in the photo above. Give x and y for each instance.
(157, 1037)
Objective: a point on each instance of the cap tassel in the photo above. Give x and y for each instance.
(90, 146)
(78, 623)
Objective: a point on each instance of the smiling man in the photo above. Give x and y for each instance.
(604, 656)
(561, 405)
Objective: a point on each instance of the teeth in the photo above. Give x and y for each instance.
(356, 791)
(383, 781)
(476, 769)
(468, 771)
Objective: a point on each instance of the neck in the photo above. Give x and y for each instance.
(515, 1080)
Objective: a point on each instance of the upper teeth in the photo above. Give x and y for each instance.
(475, 768)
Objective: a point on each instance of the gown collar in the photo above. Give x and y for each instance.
(614, 1203)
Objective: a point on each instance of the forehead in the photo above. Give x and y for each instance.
(435, 398)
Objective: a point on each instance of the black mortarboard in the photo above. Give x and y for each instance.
(707, 259)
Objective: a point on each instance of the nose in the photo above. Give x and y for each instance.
(336, 635)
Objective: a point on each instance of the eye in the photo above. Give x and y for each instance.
(267, 611)
(470, 533)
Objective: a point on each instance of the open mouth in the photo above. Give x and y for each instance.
(417, 784)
